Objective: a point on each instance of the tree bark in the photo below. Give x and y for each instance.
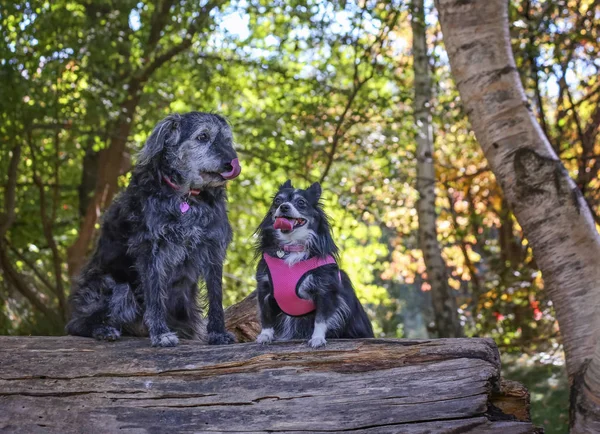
(444, 304)
(73, 385)
(242, 319)
(545, 200)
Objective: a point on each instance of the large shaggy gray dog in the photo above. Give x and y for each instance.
(164, 232)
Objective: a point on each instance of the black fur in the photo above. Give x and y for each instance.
(336, 302)
(143, 276)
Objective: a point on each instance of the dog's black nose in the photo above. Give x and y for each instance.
(284, 207)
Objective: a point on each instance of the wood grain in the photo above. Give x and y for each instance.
(242, 319)
(72, 384)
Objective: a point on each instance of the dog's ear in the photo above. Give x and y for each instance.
(167, 131)
(314, 191)
(286, 184)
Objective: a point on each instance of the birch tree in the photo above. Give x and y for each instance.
(545, 200)
(444, 304)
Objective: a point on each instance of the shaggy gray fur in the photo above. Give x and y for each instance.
(143, 276)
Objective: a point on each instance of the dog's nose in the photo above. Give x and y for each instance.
(232, 169)
(284, 207)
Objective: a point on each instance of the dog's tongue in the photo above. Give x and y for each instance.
(236, 169)
(283, 224)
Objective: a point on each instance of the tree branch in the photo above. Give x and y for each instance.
(32, 266)
(47, 228)
(14, 277)
(158, 21)
(195, 27)
(7, 218)
(357, 85)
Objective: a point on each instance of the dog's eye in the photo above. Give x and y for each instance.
(302, 203)
(203, 137)
(278, 201)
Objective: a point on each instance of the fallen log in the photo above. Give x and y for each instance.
(68, 384)
(242, 319)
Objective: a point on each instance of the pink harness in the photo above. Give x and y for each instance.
(285, 281)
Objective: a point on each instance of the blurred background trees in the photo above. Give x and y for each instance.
(315, 90)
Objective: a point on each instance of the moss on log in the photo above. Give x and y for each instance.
(69, 384)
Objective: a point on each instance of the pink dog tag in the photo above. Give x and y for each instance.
(184, 207)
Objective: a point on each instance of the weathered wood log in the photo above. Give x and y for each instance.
(68, 385)
(242, 319)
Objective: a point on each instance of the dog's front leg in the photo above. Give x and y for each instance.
(217, 335)
(155, 318)
(325, 301)
(267, 306)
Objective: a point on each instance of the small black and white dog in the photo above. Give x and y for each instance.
(165, 231)
(302, 294)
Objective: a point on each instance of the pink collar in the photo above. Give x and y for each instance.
(293, 248)
(193, 191)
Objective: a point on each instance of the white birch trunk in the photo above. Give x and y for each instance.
(546, 202)
(444, 303)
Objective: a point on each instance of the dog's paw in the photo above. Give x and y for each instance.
(106, 333)
(265, 337)
(317, 342)
(165, 340)
(220, 338)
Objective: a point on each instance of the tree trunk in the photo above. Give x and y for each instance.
(74, 385)
(511, 252)
(109, 168)
(444, 304)
(546, 202)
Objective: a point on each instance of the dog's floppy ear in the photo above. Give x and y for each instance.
(314, 191)
(167, 130)
(286, 184)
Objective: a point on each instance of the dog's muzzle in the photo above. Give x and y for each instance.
(236, 169)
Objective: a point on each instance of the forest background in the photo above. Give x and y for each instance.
(315, 91)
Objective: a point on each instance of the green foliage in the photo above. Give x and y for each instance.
(315, 91)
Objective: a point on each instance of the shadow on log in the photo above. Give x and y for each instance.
(67, 384)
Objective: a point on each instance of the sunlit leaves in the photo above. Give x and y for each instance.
(308, 87)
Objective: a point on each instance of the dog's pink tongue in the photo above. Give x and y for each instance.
(283, 224)
(236, 169)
